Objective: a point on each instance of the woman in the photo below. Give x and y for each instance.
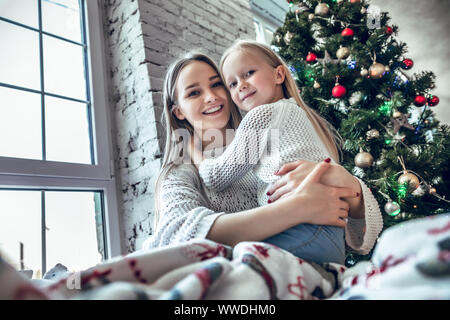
(196, 102)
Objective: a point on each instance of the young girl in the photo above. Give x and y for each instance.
(278, 128)
(186, 209)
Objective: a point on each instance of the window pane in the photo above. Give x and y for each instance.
(19, 56)
(64, 68)
(62, 17)
(269, 35)
(73, 224)
(20, 124)
(23, 11)
(20, 222)
(67, 131)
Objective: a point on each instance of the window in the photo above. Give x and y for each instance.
(258, 30)
(56, 176)
(268, 33)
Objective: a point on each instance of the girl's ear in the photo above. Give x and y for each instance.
(178, 113)
(280, 74)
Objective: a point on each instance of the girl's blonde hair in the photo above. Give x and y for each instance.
(327, 133)
(173, 148)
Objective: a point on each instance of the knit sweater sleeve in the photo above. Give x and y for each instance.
(361, 234)
(243, 153)
(184, 213)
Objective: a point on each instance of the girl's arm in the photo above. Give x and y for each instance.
(242, 154)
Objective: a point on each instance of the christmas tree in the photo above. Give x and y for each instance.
(351, 69)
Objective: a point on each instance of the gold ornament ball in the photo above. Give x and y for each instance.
(322, 9)
(311, 16)
(363, 10)
(316, 85)
(288, 37)
(432, 191)
(377, 70)
(397, 114)
(363, 160)
(343, 53)
(364, 72)
(409, 178)
(372, 134)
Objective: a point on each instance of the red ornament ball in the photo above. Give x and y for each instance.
(348, 32)
(389, 30)
(433, 101)
(420, 101)
(339, 91)
(311, 57)
(407, 64)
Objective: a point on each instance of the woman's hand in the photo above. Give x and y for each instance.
(292, 175)
(316, 203)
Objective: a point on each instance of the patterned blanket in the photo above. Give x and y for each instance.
(410, 261)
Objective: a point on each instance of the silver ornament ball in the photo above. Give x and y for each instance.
(392, 208)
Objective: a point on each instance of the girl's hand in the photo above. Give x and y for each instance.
(316, 203)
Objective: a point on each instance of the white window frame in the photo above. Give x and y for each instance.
(53, 175)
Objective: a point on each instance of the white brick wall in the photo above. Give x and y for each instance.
(143, 37)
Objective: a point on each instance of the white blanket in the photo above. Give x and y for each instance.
(410, 261)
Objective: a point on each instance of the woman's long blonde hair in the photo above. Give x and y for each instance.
(327, 133)
(172, 148)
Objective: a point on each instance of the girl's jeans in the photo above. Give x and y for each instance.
(313, 243)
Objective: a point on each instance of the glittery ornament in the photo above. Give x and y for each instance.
(433, 101)
(322, 9)
(407, 64)
(377, 70)
(392, 208)
(288, 37)
(348, 32)
(311, 57)
(372, 134)
(409, 178)
(420, 101)
(343, 53)
(363, 160)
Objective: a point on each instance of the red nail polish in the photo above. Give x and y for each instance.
(268, 193)
(269, 201)
(327, 160)
(357, 194)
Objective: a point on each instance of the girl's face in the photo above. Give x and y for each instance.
(251, 80)
(202, 98)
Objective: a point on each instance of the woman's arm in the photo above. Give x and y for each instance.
(185, 214)
(312, 202)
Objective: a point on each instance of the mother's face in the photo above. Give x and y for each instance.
(202, 98)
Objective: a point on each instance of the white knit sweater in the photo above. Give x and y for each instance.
(269, 136)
